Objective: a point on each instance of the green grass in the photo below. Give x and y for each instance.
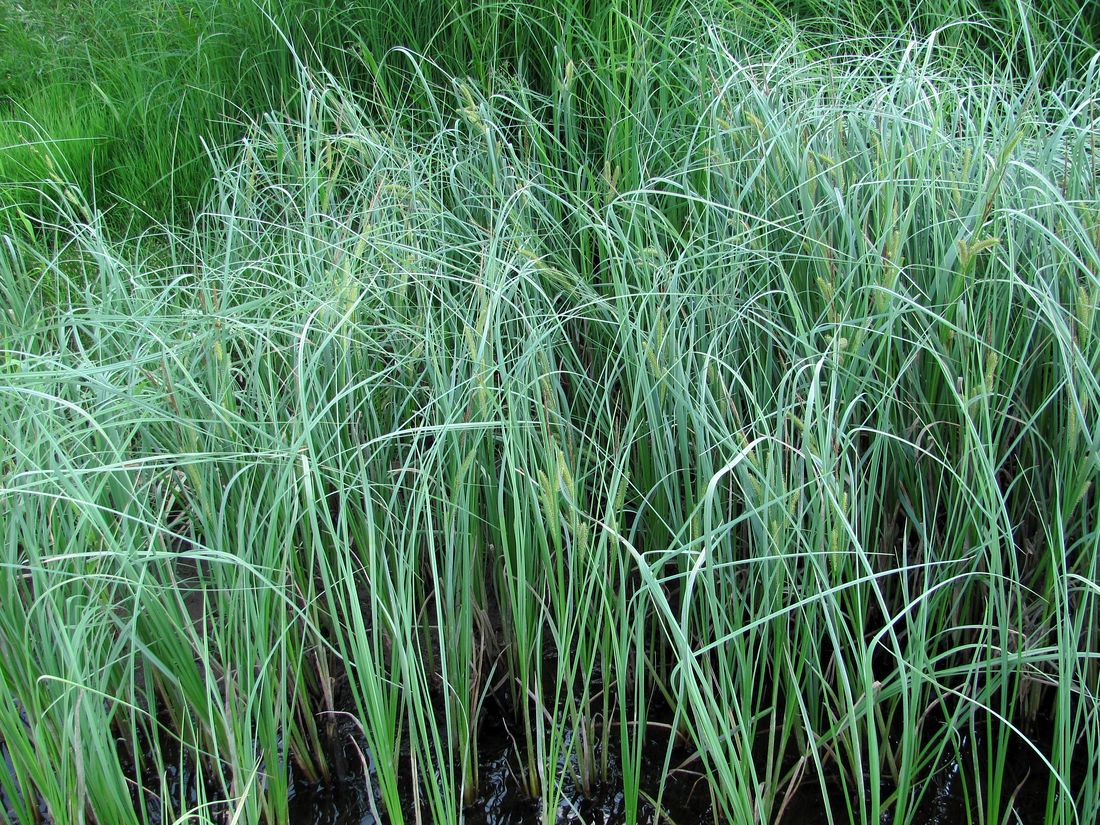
(134, 97)
(605, 358)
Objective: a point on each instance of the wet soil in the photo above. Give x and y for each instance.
(684, 800)
(501, 799)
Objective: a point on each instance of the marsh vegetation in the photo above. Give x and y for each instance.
(687, 404)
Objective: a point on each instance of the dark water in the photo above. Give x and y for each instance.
(684, 799)
(502, 801)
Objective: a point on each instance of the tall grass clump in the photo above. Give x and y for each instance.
(740, 397)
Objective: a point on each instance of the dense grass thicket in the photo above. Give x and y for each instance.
(724, 373)
(125, 100)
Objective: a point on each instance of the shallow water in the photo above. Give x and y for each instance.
(684, 800)
(501, 801)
